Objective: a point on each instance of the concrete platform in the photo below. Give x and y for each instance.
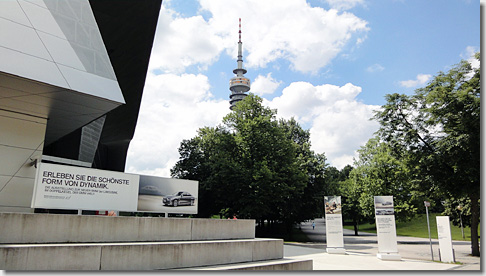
(49, 242)
(282, 264)
(359, 261)
(137, 256)
(361, 252)
(24, 228)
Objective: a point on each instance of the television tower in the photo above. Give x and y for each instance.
(239, 85)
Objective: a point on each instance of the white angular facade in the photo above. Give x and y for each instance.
(55, 77)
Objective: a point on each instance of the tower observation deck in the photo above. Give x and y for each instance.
(240, 84)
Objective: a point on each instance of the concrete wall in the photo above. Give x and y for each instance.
(137, 256)
(54, 228)
(203, 229)
(27, 257)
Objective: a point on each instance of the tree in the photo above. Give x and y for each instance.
(210, 159)
(253, 165)
(439, 126)
(320, 177)
(351, 207)
(269, 160)
(379, 172)
(459, 210)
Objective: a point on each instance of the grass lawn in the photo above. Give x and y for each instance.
(417, 227)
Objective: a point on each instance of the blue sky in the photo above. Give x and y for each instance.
(327, 63)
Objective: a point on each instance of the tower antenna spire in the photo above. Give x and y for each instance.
(240, 48)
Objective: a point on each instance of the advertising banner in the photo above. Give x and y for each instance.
(78, 188)
(445, 239)
(334, 224)
(385, 226)
(167, 195)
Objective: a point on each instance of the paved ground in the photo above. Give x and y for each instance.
(361, 252)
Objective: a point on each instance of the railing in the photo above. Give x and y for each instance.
(239, 81)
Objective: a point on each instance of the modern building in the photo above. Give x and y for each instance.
(71, 80)
(240, 84)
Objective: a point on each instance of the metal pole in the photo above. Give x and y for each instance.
(428, 227)
(462, 228)
(459, 207)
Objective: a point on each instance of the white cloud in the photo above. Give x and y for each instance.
(173, 108)
(420, 80)
(375, 68)
(264, 85)
(344, 4)
(271, 30)
(339, 123)
(182, 42)
(469, 56)
(274, 29)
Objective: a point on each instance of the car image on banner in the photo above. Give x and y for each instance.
(167, 195)
(179, 199)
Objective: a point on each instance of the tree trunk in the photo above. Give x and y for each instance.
(355, 224)
(474, 223)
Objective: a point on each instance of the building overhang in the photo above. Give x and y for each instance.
(65, 109)
(55, 65)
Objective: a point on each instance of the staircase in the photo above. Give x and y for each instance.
(72, 242)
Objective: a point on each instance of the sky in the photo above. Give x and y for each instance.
(326, 63)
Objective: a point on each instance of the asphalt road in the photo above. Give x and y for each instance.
(366, 245)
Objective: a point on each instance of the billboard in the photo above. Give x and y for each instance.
(78, 188)
(167, 195)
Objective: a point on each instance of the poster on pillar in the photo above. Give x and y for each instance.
(334, 224)
(385, 226)
(79, 188)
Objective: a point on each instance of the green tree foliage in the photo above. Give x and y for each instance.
(458, 209)
(255, 166)
(308, 204)
(351, 191)
(209, 158)
(378, 172)
(439, 128)
(269, 160)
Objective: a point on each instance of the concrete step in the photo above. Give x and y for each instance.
(60, 228)
(137, 255)
(282, 264)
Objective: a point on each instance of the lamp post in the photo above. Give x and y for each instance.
(460, 219)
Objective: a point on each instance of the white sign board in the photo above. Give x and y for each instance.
(68, 187)
(445, 239)
(385, 227)
(334, 224)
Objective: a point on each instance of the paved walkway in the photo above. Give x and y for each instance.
(361, 252)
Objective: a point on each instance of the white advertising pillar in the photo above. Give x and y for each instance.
(385, 228)
(334, 225)
(445, 239)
